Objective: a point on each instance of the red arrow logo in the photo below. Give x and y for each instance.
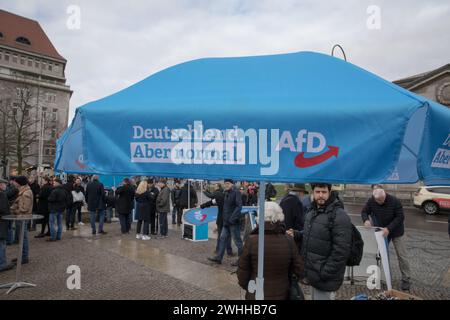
(302, 162)
(80, 164)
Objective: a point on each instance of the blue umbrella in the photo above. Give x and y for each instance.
(296, 117)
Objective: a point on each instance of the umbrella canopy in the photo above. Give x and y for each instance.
(296, 117)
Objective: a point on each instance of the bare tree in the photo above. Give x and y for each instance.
(20, 123)
(7, 140)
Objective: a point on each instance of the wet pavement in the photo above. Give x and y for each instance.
(115, 266)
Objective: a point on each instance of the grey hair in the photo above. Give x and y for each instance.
(273, 212)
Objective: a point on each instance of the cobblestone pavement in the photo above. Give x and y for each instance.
(120, 267)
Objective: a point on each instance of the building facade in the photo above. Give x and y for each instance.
(32, 87)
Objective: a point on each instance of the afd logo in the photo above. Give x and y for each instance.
(311, 143)
(80, 162)
(441, 158)
(200, 216)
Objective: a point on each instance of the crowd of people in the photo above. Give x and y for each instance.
(308, 235)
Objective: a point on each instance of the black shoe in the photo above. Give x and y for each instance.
(40, 235)
(51, 240)
(215, 260)
(7, 267)
(231, 254)
(103, 232)
(47, 234)
(73, 228)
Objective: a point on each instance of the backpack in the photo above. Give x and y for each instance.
(357, 243)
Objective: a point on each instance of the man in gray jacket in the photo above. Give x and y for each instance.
(163, 207)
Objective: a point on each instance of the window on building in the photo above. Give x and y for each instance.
(50, 67)
(51, 98)
(26, 112)
(55, 115)
(22, 60)
(47, 151)
(1, 55)
(53, 133)
(30, 63)
(1, 35)
(36, 63)
(14, 59)
(6, 56)
(56, 67)
(23, 40)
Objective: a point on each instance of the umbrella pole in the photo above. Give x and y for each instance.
(260, 276)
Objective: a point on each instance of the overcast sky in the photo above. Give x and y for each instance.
(121, 42)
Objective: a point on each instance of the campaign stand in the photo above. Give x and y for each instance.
(196, 221)
(371, 257)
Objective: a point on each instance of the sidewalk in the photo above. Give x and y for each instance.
(120, 267)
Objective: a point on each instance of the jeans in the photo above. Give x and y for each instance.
(70, 217)
(25, 238)
(101, 219)
(228, 232)
(163, 227)
(55, 217)
(3, 261)
(402, 256)
(317, 294)
(125, 224)
(109, 213)
(146, 227)
(229, 248)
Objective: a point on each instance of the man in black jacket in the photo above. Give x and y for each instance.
(153, 196)
(177, 212)
(185, 195)
(125, 204)
(95, 198)
(232, 208)
(217, 199)
(293, 211)
(57, 201)
(43, 209)
(4, 211)
(326, 243)
(386, 212)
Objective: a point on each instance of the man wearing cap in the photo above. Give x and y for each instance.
(23, 205)
(4, 211)
(231, 221)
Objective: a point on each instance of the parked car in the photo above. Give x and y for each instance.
(432, 199)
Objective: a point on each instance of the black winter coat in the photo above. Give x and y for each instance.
(219, 198)
(95, 196)
(388, 215)
(125, 199)
(143, 201)
(57, 200)
(4, 211)
(326, 251)
(232, 207)
(184, 197)
(45, 192)
(293, 212)
(35, 189)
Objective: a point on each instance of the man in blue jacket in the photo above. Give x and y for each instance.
(232, 208)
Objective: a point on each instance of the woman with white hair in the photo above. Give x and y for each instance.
(281, 258)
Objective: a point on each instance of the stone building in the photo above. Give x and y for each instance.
(30, 63)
